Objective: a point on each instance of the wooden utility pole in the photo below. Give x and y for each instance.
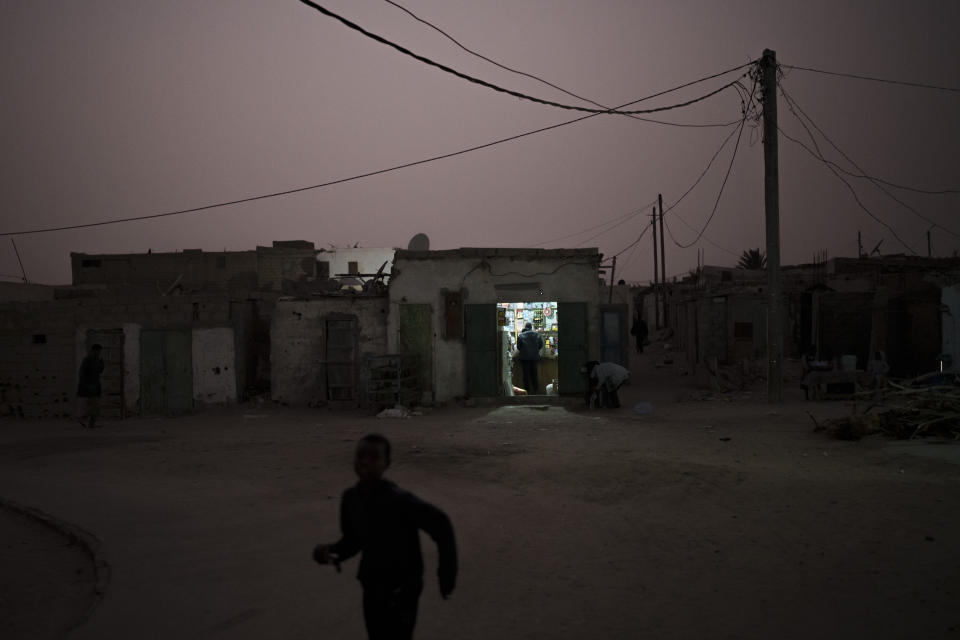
(663, 266)
(859, 246)
(24, 272)
(656, 294)
(771, 192)
(929, 252)
(613, 274)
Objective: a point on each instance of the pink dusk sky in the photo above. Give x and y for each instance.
(114, 109)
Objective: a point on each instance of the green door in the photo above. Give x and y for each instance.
(572, 343)
(166, 372)
(341, 359)
(415, 341)
(480, 335)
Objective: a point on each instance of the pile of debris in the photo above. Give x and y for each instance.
(928, 406)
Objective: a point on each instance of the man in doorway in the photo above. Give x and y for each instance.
(529, 344)
(88, 387)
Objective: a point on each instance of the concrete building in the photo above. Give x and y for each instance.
(163, 354)
(279, 268)
(320, 348)
(844, 306)
(353, 261)
(448, 311)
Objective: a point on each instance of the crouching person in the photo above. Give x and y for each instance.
(382, 522)
(606, 378)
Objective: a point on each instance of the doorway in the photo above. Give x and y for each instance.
(512, 318)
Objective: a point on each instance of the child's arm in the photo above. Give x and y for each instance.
(437, 525)
(348, 545)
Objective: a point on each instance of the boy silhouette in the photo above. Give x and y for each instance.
(383, 521)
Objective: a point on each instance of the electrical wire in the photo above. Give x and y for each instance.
(723, 145)
(635, 242)
(877, 183)
(368, 174)
(538, 78)
(489, 85)
(605, 231)
(693, 228)
(596, 226)
(905, 83)
(723, 184)
(748, 101)
(836, 173)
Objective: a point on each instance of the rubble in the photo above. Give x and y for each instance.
(927, 406)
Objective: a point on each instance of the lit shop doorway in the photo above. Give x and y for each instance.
(512, 317)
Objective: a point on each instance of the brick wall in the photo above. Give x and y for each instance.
(42, 343)
(298, 338)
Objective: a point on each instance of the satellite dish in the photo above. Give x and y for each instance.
(419, 242)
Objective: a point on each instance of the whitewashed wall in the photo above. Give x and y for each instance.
(214, 376)
(524, 275)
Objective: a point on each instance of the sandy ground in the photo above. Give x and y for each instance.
(707, 519)
(47, 582)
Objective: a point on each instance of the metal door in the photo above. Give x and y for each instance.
(166, 372)
(613, 332)
(482, 340)
(416, 341)
(111, 380)
(572, 352)
(341, 359)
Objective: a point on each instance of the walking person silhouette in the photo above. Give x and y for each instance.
(382, 521)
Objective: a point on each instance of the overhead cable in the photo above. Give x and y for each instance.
(368, 174)
(635, 242)
(538, 78)
(516, 94)
(625, 216)
(723, 184)
(839, 177)
(792, 104)
(706, 238)
(906, 83)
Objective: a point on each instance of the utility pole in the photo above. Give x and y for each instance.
(859, 246)
(929, 253)
(663, 266)
(771, 192)
(613, 273)
(656, 295)
(23, 271)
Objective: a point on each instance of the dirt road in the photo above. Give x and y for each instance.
(702, 520)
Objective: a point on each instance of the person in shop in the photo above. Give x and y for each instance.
(529, 343)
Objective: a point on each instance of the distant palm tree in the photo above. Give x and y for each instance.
(752, 259)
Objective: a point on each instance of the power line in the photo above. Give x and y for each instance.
(368, 174)
(635, 242)
(853, 191)
(691, 188)
(748, 112)
(905, 83)
(625, 216)
(538, 78)
(693, 228)
(879, 184)
(489, 85)
(605, 231)
(723, 184)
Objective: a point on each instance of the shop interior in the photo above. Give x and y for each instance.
(511, 317)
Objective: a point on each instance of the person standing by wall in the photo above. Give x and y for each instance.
(529, 344)
(88, 387)
(639, 331)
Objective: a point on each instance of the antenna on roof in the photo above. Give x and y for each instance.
(419, 242)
